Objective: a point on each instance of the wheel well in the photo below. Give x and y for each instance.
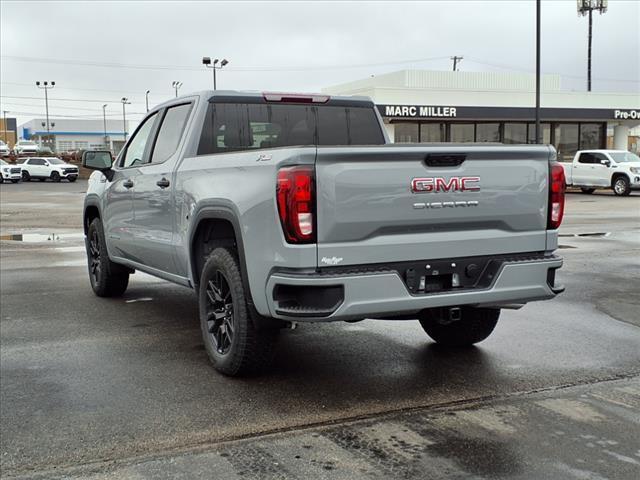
(89, 214)
(616, 176)
(211, 233)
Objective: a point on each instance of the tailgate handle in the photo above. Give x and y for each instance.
(445, 159)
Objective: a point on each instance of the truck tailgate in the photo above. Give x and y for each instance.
(369, 211)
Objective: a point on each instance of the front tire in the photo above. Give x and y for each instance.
(588, 191)
(25, 176)
(475, 325)
(234, 345)
(621, 186)
(71, 179)
(108, 279)
(15, 181)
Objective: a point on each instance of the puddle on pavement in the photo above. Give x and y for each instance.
(42, 237)
(596, 234)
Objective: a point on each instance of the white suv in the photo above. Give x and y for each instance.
(48, 167)
(5, 151)
(9, 172)
(25, 147)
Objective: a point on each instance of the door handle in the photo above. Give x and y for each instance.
(128, 183)
(163, 183)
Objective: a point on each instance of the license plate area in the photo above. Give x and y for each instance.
(444, 276)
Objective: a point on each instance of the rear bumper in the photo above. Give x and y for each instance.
(384, 294)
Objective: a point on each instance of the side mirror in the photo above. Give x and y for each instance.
(98, 160)
(606, 163)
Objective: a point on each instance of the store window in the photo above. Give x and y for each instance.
(432, 132)
(462, 132)
(515, 133)
(488, 132)
(566, 140)
(590, 135)
(406, 133)
(546, 133)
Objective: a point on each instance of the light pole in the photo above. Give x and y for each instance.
(146, 99)
(176, 84)
(206, 61)
(104, 124)
(538, 8)
(46, 86)
(586, 7)
(125, 101)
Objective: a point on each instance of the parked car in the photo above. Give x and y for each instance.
(280, 208)
(42, 168)
(618, 170)
(25, 147)
(9, 172)
(5, 151)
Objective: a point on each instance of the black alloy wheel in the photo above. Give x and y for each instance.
(55, 176)
(25, 176)
(220, 318)
(94, 257)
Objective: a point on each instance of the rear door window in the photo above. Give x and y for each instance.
(170, 132)
(585, 158)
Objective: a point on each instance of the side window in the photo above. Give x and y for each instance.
(36, 161)
(170, 132)
(585, 158)
(135, 154)
(597, 157)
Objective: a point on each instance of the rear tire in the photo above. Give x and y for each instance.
(621, 186)
(475, 325)
(55, 176)
(234, 345)
(108, 279)
(588, 191)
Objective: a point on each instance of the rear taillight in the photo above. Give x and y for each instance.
(295, 194)
(557, 186)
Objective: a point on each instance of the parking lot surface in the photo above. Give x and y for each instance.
(122, 388)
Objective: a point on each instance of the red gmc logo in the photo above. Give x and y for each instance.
(440, 184)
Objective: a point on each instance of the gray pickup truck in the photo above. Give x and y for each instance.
(285, 208)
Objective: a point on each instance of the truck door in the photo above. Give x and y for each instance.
(582, 169)
(153, 195)
(118, 209)
(600, 173)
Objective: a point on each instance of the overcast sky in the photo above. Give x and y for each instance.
(99, 52)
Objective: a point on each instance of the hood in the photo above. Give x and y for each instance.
(627, 165)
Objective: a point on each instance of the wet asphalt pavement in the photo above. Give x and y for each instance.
(122, 388)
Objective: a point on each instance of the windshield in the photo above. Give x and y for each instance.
(621, 157)
(55, 161)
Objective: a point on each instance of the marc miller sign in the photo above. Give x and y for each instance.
(417, 111)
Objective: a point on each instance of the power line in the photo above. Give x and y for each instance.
(87, 63)
(65, 99)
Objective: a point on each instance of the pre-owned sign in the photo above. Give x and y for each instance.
(627, 114)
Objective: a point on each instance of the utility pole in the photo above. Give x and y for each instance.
(586, 7)
(176, 84)
(46, 86)
(456, 59)
(538, 71)
(125, 101)
(206, 61)
(146, 99)
(104, 122)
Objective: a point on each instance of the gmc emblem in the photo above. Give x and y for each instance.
(440, 184)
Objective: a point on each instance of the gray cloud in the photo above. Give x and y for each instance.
(300, 46)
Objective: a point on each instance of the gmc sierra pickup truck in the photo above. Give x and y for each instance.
(285, 208)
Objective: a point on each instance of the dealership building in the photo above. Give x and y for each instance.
(70, 134)
(437, 106)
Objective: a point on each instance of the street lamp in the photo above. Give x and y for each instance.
(586, 7)
(104, 123)
(125, 101)
(46, 86)
(4, 112)
(146, 99)
(176, 84)
(206, 61)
